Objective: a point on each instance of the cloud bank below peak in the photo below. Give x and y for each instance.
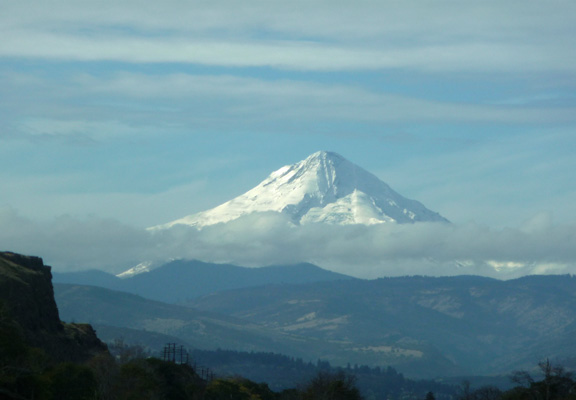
(68, 243)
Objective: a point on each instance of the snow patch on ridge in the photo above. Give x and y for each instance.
(141, 268)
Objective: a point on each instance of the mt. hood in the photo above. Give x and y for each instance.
(323, 188)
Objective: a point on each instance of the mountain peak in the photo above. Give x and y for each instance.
(324, 158)
(324, 155)
(320, 159)
(323, 188)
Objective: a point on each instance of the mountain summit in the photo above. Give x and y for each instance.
(323, 188)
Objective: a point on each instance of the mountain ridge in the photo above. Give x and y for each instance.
(482, 324)
(179, 280)
(209, 330)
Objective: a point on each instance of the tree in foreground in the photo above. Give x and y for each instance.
(331, 386)
(557, 383)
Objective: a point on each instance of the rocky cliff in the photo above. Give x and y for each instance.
(27, 302)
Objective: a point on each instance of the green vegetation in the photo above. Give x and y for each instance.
(326, 386)
(25, 373)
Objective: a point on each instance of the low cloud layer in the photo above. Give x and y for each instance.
(67, 243)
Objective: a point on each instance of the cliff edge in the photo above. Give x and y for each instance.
(27, 303)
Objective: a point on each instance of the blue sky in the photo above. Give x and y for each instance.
(138, 114)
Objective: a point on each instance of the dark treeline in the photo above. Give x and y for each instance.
(28, 373)
(282, 372)
(128, 372)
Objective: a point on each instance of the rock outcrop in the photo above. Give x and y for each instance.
(27, 301)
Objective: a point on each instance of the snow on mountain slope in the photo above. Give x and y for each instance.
(141, 268)
(323, 188)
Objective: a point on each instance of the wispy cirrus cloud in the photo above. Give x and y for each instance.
(444, 36)
(128, 103)
(288, 54)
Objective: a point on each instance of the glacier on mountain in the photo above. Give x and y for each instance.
(323, 188)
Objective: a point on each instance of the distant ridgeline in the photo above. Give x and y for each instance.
(422, 326)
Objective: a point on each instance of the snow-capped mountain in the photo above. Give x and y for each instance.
(323, 188)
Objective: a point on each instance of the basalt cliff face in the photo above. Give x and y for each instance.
(27, 303)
